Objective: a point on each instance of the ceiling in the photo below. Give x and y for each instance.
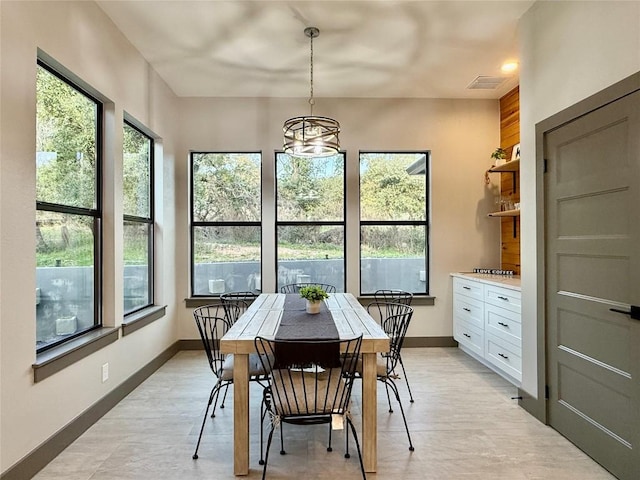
(381, 48)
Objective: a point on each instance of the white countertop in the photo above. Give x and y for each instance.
(508, 281)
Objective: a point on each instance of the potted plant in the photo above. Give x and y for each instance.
(499, 155)
(314, 296)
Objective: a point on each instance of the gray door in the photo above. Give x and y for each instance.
(592, 216)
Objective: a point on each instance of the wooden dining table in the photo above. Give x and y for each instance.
(262, 318)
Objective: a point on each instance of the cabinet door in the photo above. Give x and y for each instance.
(503, 297)
(505, 356)
(469, 336)
(469, 310)
(503, 323)
(468, 288)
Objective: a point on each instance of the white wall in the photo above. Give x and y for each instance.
(82, 39)
(569, 51)
(460, 134)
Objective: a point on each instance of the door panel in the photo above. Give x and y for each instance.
(592, 217)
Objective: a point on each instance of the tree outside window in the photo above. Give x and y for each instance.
(394, 222)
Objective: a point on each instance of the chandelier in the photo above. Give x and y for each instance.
(311, 136)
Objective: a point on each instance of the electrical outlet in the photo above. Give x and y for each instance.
(105, 372)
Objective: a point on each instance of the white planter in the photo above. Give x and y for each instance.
(313, 307)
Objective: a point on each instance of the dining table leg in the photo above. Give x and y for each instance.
(369, 413)
(241, 414)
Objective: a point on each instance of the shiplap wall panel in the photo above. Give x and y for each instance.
(510, 183)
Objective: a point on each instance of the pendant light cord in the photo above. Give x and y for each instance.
(311, 101)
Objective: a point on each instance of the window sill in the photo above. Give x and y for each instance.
(136, 321)
(58, 358)
(194, 302)
(416, 300)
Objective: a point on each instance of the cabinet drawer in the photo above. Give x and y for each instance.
(503, 323)
(503, 355)
(468, 288)
(469, 310)
(503, 297)
(469, 336)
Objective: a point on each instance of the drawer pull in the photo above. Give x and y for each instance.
(467, 335)
(503, 356)
(466, 288)
(503, 298)
(503, 325)
(466, 309)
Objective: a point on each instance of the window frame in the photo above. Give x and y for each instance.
(426, 223)
(321, 223)
(150, 221)
(96, 214)
(195, 224)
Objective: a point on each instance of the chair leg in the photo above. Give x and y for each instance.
(329, 449)
(388, 397)
(393, 386)
(406, 379)
(224, 397)
(282, 452)
(214, 391)
(266, 457)
(346, 440)
(263, 414)
(355, 436)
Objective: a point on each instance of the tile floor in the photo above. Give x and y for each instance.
(463, 423)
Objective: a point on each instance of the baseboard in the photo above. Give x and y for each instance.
(414, 342)
(53, 446)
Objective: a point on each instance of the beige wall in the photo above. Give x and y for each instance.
(459, 133)
(569, 51)
(79, 36)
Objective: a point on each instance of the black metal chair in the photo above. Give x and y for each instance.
(295, 287)
(310, 384)
(242, 300)
(212, 326)
(393, 297)
(395, 326)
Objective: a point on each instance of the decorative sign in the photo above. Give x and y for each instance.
(493, 271)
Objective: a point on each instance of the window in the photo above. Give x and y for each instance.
(394, 223)
(225, 222)
(310, 220)
(137, 189)
(68, 230)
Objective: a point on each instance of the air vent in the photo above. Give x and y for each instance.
(486, 83)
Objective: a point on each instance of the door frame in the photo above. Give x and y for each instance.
(538, 406)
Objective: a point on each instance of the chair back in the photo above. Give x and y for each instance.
(395, 326)
(241, 300)
(395, 296)
(295, 287)
(302, 392)
(383, 309)
(212, 325)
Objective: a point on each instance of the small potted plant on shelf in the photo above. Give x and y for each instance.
(499, 156)
(314, 296)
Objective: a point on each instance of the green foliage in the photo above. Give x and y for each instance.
(226, 187)
(499, 154)
(66, 132)
(136, 172)
(313, 293)
(388, 192)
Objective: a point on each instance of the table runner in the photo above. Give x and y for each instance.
(297, 325)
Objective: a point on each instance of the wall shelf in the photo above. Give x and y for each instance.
(512, 166)
(505, 213)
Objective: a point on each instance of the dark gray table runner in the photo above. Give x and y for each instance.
(296, 325)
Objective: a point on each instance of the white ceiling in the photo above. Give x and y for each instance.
(381, 48)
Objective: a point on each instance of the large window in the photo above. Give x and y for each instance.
(225, 222)
(137, 189)
(68, 230)
(394, 223)
(310, 220)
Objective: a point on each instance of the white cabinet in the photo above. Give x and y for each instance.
(487, 321)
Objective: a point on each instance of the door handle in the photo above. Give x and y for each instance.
(634, 312)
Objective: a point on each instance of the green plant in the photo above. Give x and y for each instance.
(313, 293)
(499, 154)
